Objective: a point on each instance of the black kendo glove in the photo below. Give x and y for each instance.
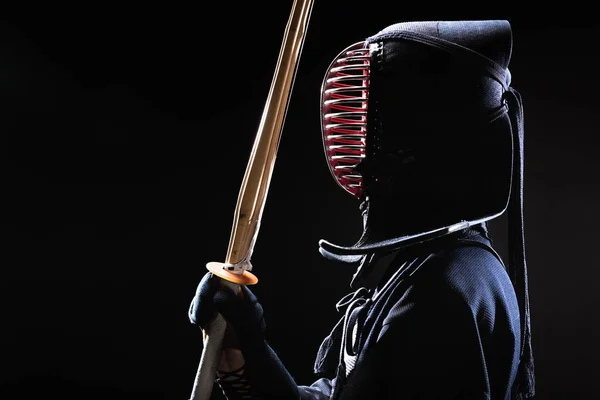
(265, 375)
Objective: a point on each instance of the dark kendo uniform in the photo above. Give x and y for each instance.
(442, 323)
(434, 311)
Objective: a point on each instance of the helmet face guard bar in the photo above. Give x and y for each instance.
(344, 102)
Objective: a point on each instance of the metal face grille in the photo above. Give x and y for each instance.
(344, 98)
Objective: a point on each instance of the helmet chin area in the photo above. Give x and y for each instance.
(344, 102)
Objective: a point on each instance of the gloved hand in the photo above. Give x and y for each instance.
(263, 370)
(242, 311)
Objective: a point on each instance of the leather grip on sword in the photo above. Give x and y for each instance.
(209, 361)
(213, 336)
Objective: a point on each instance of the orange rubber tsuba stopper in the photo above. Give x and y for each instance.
(245, 278)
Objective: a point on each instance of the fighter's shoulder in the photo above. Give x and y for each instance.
(471, 271)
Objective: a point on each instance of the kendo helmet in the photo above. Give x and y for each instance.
(415, 122)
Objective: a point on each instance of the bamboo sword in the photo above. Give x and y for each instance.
(253, 192)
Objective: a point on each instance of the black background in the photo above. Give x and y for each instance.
(125, 135)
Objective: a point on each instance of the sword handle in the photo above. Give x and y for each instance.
(211, 353)
(209, 361)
